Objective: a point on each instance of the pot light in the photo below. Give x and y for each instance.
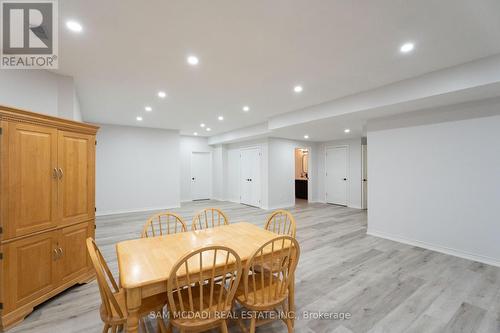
(298, 89)
(202, 125)
(74, 26)
(306, 136)
(220, 117)
(195, 133)
(138, 118)
(407, 47)
(246, 108)
(148, 108)
(208, 129)
(162, 94)
(193, 60)
(347, 130)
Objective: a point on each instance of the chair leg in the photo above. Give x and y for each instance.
(114, 328)
(253, 321)
(223, 327)
(106, 328)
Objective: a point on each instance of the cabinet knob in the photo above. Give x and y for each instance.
(60, 173)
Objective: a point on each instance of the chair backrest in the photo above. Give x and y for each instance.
(268, 287)
(209, 218)
(165, 223)
(281, 222)
(192, 288)
(104, 280)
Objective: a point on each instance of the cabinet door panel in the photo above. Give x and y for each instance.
(74, 258)
(31, 178)
(76, 188)
(30, 268)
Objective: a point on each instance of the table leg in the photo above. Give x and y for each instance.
(291, 297)
(134, 300)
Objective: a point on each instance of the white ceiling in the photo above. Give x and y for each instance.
(254, 52)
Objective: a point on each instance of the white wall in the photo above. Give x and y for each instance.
(188, 145)
(438, 186)
(40, 91)
(354, 176)
(136, 169)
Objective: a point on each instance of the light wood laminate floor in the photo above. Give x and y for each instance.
(385, 286)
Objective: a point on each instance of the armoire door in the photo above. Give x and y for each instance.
(336, 175)
(76, 177)
(29, 268)
(250, 189)
(32, 179)
(73, 258)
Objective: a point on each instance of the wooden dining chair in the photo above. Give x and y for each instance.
(209, 218)
(113, 308)
(196, 300)
(281, 222)
(267, 290)
(165, 223)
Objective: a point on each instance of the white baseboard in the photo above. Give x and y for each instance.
(135, 210)
(434, 247)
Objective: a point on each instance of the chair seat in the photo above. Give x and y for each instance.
(263, 297)
(208, 310)
(150, 304)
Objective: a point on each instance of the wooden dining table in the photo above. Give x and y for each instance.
(145, 264)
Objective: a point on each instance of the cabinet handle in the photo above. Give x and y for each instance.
(60, 173)
(61, 252)
(54, 173)
(55, 254)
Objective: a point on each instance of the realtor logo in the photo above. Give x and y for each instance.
(29, 34)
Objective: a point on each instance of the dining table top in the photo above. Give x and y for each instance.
(146, 261)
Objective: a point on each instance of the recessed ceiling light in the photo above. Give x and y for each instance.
(298, 89)
(202, 125)
(162, 94)
(407, 47)
(347, 130)
(220, 117)
(148, 108)
(193, 60)
(138, 118)
(208, 129)
(74, 26)
(195, 133)
(306, 136)
(246, 108)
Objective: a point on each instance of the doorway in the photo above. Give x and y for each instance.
(336, 175)
(200, 175)
(301, 174)
(250, 190)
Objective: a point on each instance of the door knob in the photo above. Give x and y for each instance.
(345, 178)
(364, 180)
(192, 178)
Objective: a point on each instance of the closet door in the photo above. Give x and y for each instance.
(32, 181)
(336, 175)
(76, 155)
(250, 189)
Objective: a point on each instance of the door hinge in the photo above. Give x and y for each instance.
(1, 230)
(95, 209)
(1, 130)
(1, 306)
(96, 142)
(1, 255)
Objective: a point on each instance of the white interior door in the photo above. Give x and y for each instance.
(364, 177)
(336, 175)
(250, 176)
(200, 176)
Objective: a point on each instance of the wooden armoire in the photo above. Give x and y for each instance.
(47, 187)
